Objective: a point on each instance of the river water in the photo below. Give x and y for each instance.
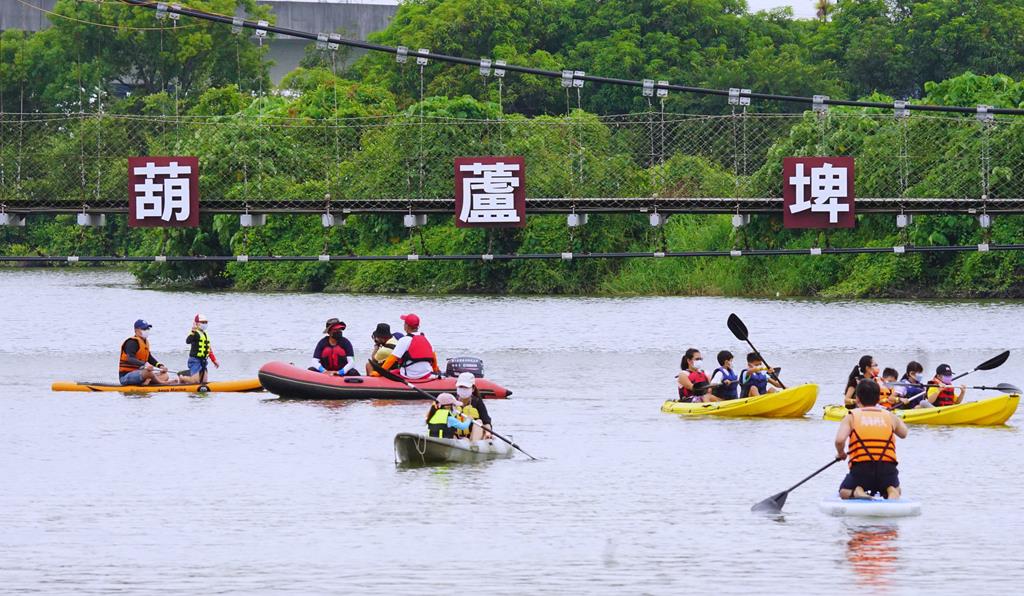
(242, 494)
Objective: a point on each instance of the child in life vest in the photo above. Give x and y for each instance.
(888, 398)
(724, 380)
(756, 379)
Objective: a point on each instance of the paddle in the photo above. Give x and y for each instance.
(389, 375)
(1004, 387)
(774, 503)
(989, 364)
(740, 331)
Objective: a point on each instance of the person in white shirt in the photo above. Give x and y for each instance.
(413, 354)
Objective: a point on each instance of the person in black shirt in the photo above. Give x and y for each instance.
(473, 407)
(137, 364)
(334, 354)
(200, 351)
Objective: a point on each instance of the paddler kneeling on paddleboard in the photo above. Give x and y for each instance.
(137, 365)
(442, 420)
(200, 352)
(870, 433)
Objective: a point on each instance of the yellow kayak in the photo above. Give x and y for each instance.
(243, 385)
(987, 412)
(788, 403)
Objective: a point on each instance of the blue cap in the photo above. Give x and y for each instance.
(140, 324)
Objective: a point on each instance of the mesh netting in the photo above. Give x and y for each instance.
(76, 162)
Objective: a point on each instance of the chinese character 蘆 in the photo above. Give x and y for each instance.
(165, 198)
(488, 195)
(828, 184)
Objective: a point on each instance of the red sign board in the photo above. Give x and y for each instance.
(817, 192)
(163, 192)
(490, 192)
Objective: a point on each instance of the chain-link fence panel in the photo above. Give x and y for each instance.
(73, 162)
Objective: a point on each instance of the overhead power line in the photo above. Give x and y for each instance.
(570, 76)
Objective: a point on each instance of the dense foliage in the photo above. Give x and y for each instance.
(935, 51)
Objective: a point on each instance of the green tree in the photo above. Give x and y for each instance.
(92, 47)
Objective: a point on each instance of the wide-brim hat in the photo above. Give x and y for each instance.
(333, 322)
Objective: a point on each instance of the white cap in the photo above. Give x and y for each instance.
(466, 379)
(201, 318)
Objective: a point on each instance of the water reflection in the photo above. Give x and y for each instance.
(872, 553)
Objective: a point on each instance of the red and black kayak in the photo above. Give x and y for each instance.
(292, 382)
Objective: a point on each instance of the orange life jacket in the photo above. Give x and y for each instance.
(873, 437)
(885, 395)
(143, 354)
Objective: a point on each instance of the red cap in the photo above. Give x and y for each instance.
(411, 319)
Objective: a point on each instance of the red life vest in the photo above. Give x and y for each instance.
(946, 396)
(333, 357)
(419, 350)
(695, 376)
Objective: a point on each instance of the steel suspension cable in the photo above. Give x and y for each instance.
(575, 75)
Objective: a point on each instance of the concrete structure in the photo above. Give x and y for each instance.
(352, 18)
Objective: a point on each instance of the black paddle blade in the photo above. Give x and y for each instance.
(772, 504)
(994, 362)
(737, 327)
(1008, 388)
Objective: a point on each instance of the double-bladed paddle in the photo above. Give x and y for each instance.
(774, 503)
(391, 376)
(740, 331)
(994, 362)
(1004, 387)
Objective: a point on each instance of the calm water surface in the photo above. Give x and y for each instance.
(240, 494)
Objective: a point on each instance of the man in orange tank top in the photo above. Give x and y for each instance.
(867, 435)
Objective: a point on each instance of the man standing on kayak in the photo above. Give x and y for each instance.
(137, 365)
(867, 435)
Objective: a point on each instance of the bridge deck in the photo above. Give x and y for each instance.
(541, 205)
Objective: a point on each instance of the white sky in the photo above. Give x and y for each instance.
(803, 9)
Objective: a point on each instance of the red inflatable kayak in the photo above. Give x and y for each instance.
(292, 382)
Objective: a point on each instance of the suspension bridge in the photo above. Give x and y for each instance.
(656, 162)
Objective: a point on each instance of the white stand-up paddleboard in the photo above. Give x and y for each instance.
(870, 507)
